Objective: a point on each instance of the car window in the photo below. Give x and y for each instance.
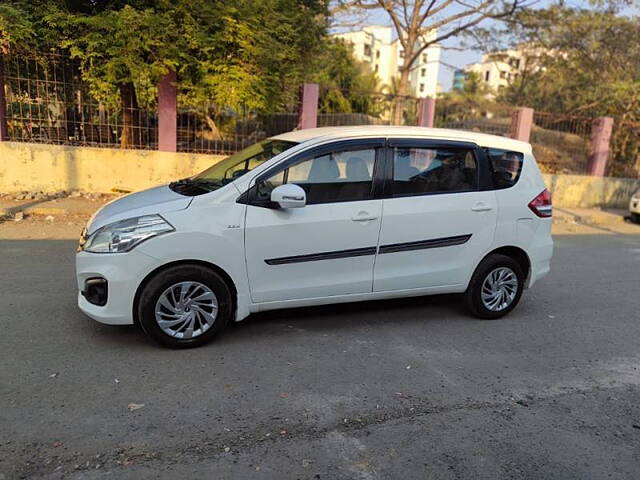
(238, 164)
(332, 177)
(419, 171)
(505, 166)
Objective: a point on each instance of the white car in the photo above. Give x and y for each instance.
(321, 216)
(634, 207)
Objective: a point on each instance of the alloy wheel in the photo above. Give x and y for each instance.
(499, 289)
(186, 310)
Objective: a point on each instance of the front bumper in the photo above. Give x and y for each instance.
(124, 272)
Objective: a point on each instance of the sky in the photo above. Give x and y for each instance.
(459, 58)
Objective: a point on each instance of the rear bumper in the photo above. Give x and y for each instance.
(540, 254)
(124, 272)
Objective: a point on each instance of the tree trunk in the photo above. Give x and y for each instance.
(130, 116)
(403, 91)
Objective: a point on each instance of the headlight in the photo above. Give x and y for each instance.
(124, 235)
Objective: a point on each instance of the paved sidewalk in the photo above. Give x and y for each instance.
(589, 216)
(57, 206)
(592, 220)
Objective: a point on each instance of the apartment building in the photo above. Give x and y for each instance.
(501, 68)
(374, 45)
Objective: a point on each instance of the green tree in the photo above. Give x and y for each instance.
(586, 62)
(229, 54)
(348, 86)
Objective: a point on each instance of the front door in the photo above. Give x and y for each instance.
(437, 221)
(327, 247)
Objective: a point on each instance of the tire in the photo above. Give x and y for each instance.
(635, 218)
(203, 290)
(474, 294)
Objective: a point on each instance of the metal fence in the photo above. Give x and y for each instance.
(344, 107)
(48, 102)
(204, 130)
(491, 118)
(624, 159)
(561, 142)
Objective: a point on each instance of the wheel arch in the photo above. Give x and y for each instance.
(518, 254)
(215, 268)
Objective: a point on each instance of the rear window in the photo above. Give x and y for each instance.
(506, 166)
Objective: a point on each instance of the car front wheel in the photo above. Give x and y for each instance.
(495, 287)
(184, 306)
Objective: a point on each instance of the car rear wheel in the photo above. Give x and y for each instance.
(635, 217)
(185, 306)
(495, 287)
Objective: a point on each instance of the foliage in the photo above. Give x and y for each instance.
(348, 85)
(473, 93)
(586, 63)
(232, 54)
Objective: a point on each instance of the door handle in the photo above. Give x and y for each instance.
(364, 217)
(481, 207)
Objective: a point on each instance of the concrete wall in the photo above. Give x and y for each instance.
(28, 166)
(582, 191)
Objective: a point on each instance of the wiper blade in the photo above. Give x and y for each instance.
(207, 182)
(201, 183)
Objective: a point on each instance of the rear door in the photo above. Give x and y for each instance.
(437, 219)
(327, 247)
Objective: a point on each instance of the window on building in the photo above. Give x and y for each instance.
(367, 50)
(377, 53)
(503, 74)
(423, 72)
(486, 75)
(422, 87)
(424, 58)
(401, 53)
(376, 68)
(419, 171)
(514, 62)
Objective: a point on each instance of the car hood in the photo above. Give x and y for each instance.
(147, 202)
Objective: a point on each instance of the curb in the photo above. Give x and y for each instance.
(7, 214)
(45, 211)
(590, 219)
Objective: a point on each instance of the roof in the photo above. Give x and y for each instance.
(329, 133)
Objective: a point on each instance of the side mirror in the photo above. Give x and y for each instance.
(289, 195)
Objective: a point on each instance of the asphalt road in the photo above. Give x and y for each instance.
(396, 389)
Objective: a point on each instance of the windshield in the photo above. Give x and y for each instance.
(233, 167)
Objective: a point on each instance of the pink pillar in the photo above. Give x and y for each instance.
(426, 112)
(4, 132)
(521, 122)
(601, 129)
(308, 106)
(167, 113)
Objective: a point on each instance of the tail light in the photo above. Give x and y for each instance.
(541, 205)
